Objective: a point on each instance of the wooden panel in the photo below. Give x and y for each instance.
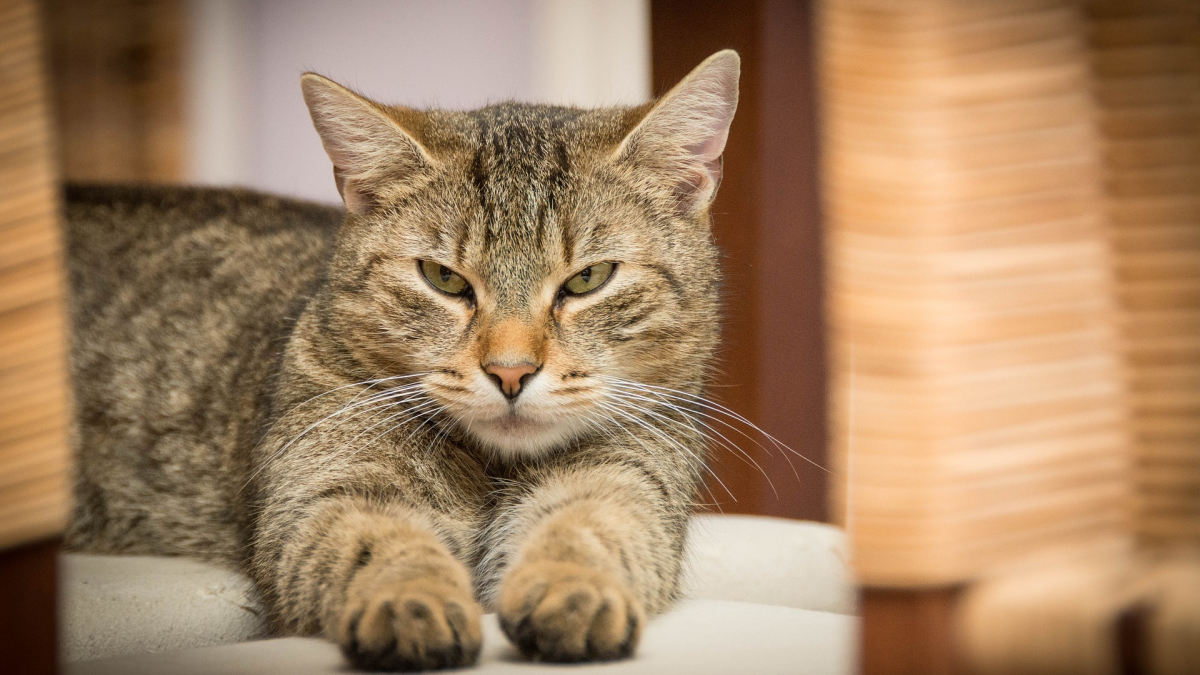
(979, 401)
(28, 581)
(33, 380)
(910, 632)
(1146, 57)
(767, 223)
(118, 88)
(33, 393)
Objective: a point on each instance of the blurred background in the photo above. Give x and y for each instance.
(207, 91)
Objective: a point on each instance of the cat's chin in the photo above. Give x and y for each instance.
(519, 436)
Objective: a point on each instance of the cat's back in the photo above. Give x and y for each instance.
(122, 234)
(181, 301)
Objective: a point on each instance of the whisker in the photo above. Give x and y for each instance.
(718, 420)
(676, 394)
(393, 428)
(371, 382)
(746, 457)
(592, 421)
(412, 412)
(694, 416)
(670, 441)
(391, 393)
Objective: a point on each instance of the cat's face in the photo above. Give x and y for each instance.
(523, 259)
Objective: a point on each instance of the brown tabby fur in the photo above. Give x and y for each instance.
(217, 330)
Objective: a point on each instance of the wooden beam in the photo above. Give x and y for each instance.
(909, 632)
(28, 626)
(767, 223)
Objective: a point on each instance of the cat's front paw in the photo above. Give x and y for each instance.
(421, 624)
(556, 611)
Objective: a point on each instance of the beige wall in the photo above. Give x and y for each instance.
(247, 121)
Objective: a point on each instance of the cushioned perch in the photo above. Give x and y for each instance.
(763, 592)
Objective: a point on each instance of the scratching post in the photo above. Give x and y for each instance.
(1014, 251)
(33, 376)
(1146, 60)
(979, 392)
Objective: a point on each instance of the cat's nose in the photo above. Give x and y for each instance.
(510, 379)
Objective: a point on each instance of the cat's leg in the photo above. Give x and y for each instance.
(378, 578)
(591, 551)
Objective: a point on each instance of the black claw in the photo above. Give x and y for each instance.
(418, 610)
(456, 647)
(351, 648)
(625, 650)
(524, 636)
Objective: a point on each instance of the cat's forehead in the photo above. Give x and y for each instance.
(520, 185)
(530, 127)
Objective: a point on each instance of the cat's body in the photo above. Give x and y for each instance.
(182, 301)
(262, 384)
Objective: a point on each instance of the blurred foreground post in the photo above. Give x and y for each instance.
(117, 88)
(1012, 191)
(33, 377)
(1146, 58)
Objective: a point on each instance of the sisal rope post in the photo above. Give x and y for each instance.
(34, 454)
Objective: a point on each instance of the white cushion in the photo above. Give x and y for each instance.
(113, 605)
(699, 637)
(120, 605)
(771, 561)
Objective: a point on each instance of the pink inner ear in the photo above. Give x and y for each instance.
(684, 135)
(701, 173)
(356, 199)
(709, 152)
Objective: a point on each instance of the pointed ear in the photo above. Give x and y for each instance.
(368, 146)
(682, 137)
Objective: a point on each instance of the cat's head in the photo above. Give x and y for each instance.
(526, 258)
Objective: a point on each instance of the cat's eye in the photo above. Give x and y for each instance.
(589, 278)
(443, 278)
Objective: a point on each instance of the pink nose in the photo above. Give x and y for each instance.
(510, 379)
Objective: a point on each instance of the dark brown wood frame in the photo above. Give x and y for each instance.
(767, 222)
(28, 620)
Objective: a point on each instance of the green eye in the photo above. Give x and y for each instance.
(589, 278)
(443, 278)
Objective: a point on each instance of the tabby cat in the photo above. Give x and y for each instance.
(470, 389)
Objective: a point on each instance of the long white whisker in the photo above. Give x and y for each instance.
(698, 463)
(724, 442)
(593, 419)
(395, 426)
(700, 413)
(670, 441)
(694, 415)
(370, 382)
(412, 412)
(397, 392)
(713, 406)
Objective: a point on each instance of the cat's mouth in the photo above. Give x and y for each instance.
(515, 423)
(514, 433)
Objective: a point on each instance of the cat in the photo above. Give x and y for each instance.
(468, 389)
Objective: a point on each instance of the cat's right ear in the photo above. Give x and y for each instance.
(367, 145)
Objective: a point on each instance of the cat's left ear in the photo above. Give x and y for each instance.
(681, 138)
(367, 144)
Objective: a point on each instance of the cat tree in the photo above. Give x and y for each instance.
(33, 378)
(1013, 199)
